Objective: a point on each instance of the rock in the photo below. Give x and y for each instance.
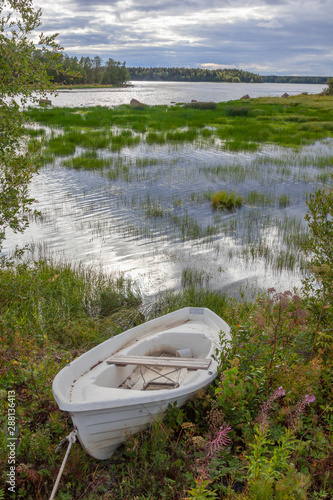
(135, 102)
(246, 96)
(285, 95)
(45, 101)
(193, 100)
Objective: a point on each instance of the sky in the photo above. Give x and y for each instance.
(280, 37)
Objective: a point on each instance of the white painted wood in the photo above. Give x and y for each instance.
(192, 364)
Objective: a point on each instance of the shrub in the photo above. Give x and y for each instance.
(226, 200)
(234, 111)
(201, 105)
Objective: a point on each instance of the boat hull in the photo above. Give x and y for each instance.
(101, 433)
(104, 411)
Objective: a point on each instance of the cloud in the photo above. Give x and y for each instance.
(266, 36)
(273, 24)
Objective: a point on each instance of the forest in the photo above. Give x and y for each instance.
(93, 71)
(194, 75)
(87, 71)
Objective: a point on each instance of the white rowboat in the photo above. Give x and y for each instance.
(119, 387)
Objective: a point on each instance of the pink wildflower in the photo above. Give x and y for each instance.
(300, 407)
(268, 405)
(218, 440)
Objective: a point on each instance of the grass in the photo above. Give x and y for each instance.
(67, 311)
(155, 138)
(298, 121)
(51, 313)
(196, 278)
(255, 197)
(88, 161)
(225, 200)
(182, 136)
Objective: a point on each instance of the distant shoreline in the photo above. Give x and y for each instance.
(91, 86)
(68, 88)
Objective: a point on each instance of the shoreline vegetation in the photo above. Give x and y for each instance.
(217, 75)
(87, 70)
(264, 429)
(91, 86)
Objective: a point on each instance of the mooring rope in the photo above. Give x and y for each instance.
(71, 440)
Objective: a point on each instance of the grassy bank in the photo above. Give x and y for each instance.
(277, 443)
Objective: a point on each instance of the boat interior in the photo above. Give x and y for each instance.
(144, 375)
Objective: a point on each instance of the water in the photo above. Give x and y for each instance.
(155, 224)
(152, 93)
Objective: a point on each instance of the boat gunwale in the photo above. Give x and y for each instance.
(129, 397)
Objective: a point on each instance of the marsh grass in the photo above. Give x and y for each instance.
(124, 139)
(182, 136)
(225, 200)
(35, 132)
(255, 197)
(196, 278)
(60, 146)
(237, 128)
(206, 133)
(201, 105)
(118, 168)
(284, 200)
(146, 162)
(237, 111)
(155, 138)
(88, 161)
(240, 145)
(301, 120)
(153, 208)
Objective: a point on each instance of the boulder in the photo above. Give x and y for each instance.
(45, 101)
(246, 96)
(285, 95)
(135, 102)
(193, 100)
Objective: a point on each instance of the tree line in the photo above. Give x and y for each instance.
(296, 79)
(194, 75)
(87, 71)
(92, 70)
(216, 75)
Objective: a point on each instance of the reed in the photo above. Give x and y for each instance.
(155, 138)
(258, 198)
(35, 132)
(192, 277)
(226, 200)
(88, 161)
(182, 136)
(301, 120)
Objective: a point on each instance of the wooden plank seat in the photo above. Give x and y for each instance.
(189, 363)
